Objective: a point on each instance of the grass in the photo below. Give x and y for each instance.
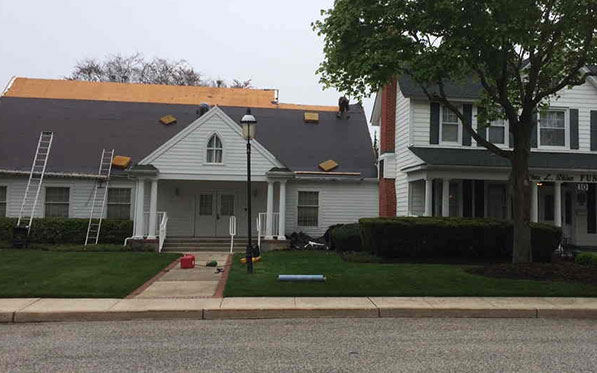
(372, 279)
(72, 247)
(37, 273)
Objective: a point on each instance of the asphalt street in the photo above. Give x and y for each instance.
(302, 345)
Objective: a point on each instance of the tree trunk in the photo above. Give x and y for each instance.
(521, 187)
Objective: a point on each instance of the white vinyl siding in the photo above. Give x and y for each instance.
(119, 203)
(57, 202)
(3, 198)
(308, 209)
(340, 202)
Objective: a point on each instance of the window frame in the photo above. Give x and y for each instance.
(506, 126)
(108, 203)
(214, 149)
(299, 206)
(67, 203)
(441, 127)
(566, 145)
(5, 201)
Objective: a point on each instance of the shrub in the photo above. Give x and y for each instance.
(347, 237)
(587, 259)
(432, 237)
(61, 230)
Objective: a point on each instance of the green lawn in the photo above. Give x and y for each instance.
(360, 279)
(37, 273)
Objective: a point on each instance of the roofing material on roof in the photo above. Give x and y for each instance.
(152, 93)
(485, 158)
(83, 128)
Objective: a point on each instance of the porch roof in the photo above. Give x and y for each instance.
(485, 158)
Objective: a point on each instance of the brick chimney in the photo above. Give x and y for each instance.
(387, 187)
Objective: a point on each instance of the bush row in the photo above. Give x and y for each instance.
(423, 237)
(61, 230)
(588, 259)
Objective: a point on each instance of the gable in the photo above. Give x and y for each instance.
(185, 155)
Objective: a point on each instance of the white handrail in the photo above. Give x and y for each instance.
(232, 231)
(162, 231)
(258, 226)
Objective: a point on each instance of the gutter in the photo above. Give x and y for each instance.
(73, 175)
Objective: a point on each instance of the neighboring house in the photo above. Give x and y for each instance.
(430, 166)
(194, 170)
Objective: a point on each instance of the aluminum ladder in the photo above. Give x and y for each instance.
(100, 195)
(36, 177)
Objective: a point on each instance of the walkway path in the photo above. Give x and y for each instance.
(198, 282)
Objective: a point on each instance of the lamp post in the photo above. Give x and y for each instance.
(249, 123)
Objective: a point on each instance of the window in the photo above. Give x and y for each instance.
(227, 205)
(119, 203)
(552, 128)
(496, 132)
(57, 202)
(450, 130)
(214, 149)
(308, 209)
(206, 205)
(2, 201)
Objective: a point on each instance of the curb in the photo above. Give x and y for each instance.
(53, 310)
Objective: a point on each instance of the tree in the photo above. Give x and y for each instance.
(135, 69)
(521, 52)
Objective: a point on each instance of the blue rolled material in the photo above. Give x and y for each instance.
(299, 278)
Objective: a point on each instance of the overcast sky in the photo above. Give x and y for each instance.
(270, 42)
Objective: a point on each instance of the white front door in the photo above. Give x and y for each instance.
(213, 213)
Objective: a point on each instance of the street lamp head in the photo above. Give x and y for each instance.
(248, 123)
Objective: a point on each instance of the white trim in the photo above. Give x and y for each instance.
(215, 111)
(458, 142)
(207, 148)
(215, 176)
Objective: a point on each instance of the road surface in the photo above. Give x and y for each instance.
(302, 345)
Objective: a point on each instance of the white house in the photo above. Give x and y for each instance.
(193, 170)
(430, 166)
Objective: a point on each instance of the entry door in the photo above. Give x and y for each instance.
(496, 201)
(213, 213)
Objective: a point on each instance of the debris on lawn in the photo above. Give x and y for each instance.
(302, 241)
(211, 263)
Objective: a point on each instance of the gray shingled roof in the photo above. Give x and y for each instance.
(83, 128)
(485, 158)
(467, 89)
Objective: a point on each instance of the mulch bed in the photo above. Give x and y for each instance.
(559, 270)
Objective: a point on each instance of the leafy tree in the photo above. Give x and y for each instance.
(136, 69)
(522, 52)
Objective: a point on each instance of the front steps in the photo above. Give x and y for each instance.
(220, 244)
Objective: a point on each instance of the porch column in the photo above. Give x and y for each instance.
(428, 197)
(269, 211)
(139, 216)
(282, 212)
(153, 210)
(534, 203)
(445, 197)
(557, 204)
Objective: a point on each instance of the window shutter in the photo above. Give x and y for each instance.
(573, 128)
(467, 111)
(593, 129)
(434, 124)
(534, 134)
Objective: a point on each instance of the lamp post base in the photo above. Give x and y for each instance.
(249, 256)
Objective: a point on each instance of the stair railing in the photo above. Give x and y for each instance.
(232, 231)
(162, 231)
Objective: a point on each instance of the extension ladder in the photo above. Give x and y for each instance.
(36, 177)
(100, 195)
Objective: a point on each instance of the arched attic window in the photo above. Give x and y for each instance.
(214, 149)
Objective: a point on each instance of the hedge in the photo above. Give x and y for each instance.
(432, 237)
(588, 259)
(61, 230)
(346, 237)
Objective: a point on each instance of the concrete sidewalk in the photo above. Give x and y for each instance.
(41, 310)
